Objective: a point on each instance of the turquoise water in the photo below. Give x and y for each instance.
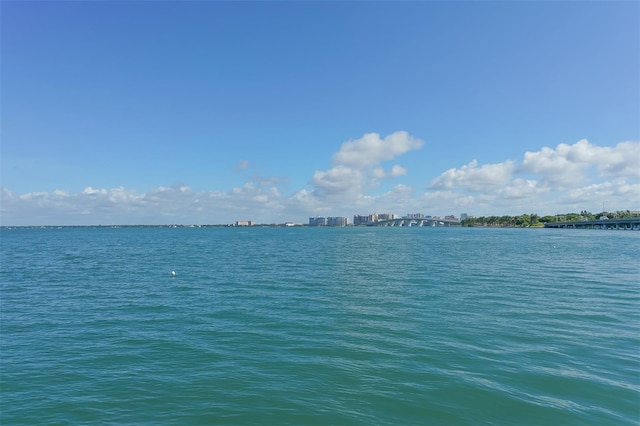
(341, 326)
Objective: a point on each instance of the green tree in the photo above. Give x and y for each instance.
(470, 221)
(571, 217)
(523, 220)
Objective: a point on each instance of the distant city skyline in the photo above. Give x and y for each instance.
(217, 112)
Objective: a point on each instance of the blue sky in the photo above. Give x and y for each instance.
(211, 112)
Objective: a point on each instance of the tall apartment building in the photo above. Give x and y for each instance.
(337, 221)
(328, 221)
(318, 221)
(372, 218)
(365, 220)
(359, 220)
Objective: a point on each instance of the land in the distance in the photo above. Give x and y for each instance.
(526, 220)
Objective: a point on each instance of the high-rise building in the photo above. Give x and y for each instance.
(318, 221)
(337, 221)
(328, 221)
(360, 220)
(386, 216)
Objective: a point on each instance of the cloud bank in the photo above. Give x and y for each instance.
(357, 169)
(569, 177)
(553, 180)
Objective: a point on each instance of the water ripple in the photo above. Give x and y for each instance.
(326, 326)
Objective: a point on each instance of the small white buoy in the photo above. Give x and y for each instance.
(173, 273)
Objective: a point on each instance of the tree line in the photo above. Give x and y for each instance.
(532, 219)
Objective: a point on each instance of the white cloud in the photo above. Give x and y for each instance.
(90, 191)
(370, 149)
(31, 195)
(567, 165)
(176, 204)
(623, 160)
(397, 170)
(397, 199)
(357, 168)
(552, 180)
(336, 178)
(605, 191)
(559, 179)
(564, 165)
(522, 189)
(472, 177)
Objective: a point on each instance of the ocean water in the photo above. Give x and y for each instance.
(344, 326)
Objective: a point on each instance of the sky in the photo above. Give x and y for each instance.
(210, 112)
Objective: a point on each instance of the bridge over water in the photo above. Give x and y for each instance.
(417, 222)
(630, 224)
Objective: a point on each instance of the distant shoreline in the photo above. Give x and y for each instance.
(11, 227)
